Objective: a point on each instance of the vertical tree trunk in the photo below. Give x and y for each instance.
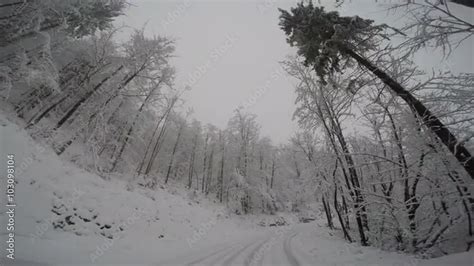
(345, 210)
(273, 173)
(297, 168)
(337, 207)
(191, 162)
(221, 174)
(244, 172)
(204, 166)
(209, 171)
(175, 148)
(327, 211)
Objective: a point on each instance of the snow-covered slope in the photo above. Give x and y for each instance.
(64, 215)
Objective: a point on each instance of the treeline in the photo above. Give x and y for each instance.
(405, 183)
(113, 108)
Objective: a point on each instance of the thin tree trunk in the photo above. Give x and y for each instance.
(273, 173)
(338, 212)
(175, 148)
(297, 168)
(204, 164)
(465, 196)
(84, 98)
(361, 216)
(12, 4)
(209, 171)
(191, 162)
(165, 117)
(129, 131)
(221, 175)
(158, 143)
(35, 119)
(359, 199)
(350, 186)
(346, 210)
(327, 212)
(40, 116)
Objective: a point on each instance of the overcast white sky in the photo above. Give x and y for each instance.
(229, 52)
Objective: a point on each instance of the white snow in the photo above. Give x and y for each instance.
(112, 221)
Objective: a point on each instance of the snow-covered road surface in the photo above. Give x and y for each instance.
(294, 245)
(271, 248)
(300, 245)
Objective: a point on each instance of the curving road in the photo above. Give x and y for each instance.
(310, 244)
(273, 248)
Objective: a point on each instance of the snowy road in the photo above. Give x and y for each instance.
(252, 253)
(295, 245)
(281, 246)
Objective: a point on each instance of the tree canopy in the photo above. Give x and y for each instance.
(323, 37)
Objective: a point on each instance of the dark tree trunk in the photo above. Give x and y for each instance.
(191, 162)
(175, 148)
(221, 175)
(158, 142)
(156, 146)
(361, 215)
(337, 207)
(84, 98)
(129, 131)
(468, 3)
(12, 4)
(273, 173)
(203, 184)
(36, 119)
(327, 210)
(346, 211)
(209, 171)
(85, 77)
(466, 198)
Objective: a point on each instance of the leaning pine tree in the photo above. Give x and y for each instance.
(328, 41)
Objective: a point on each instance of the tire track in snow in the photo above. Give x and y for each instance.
(236, 254)
(212, 254)
(288, 251)
(253, 259)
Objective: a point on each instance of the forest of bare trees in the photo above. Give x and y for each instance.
(113, 108)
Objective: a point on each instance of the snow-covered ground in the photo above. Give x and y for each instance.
(65, 215)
